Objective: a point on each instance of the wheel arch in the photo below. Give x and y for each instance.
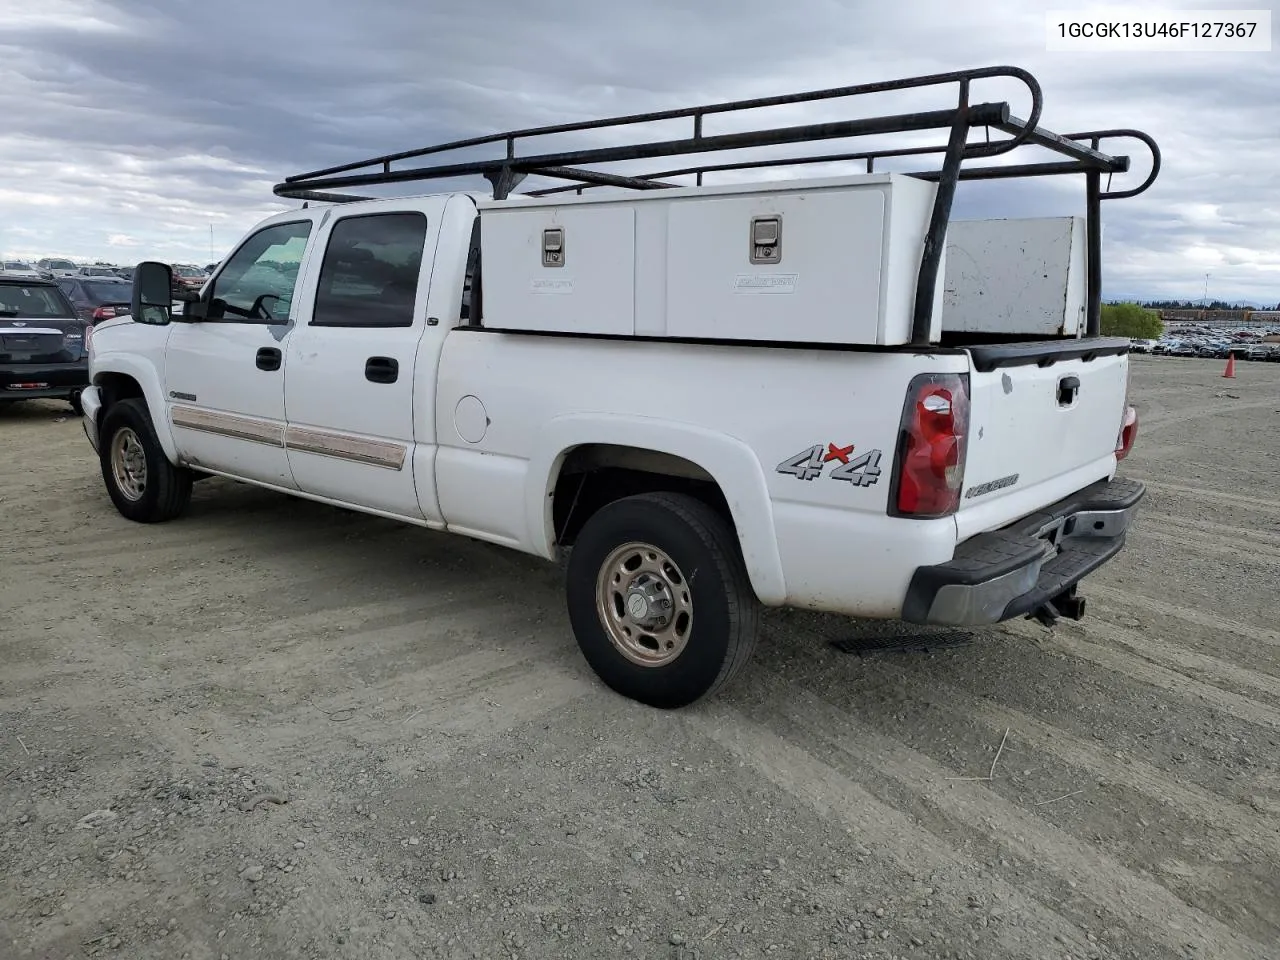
(121, 378)
(679, 452)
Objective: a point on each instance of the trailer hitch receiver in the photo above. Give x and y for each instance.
(1065, 604)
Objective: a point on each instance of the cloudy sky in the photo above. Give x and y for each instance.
(136, 128)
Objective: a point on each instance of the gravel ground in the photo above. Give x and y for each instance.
(276, 730)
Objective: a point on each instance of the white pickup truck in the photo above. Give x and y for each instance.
(711, 397)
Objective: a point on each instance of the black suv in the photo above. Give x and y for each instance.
(42, 351)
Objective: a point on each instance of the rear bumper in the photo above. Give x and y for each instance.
(61, 380)
(1014, 571)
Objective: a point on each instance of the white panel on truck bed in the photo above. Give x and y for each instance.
(591, 291)
(1020, 277)
(824, 288)
(689, 262)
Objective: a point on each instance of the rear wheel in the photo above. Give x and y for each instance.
(74, 400)
(659, 599)
(142, 483)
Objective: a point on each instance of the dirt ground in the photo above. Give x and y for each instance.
(275, 730)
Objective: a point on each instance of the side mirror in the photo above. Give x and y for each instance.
(152, 299)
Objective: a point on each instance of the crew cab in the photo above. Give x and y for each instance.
(42, 343)
(711, 398)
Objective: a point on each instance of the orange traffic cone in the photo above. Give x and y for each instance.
(1231, 366)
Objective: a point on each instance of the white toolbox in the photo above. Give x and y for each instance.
(1016, 277)
(819, 261)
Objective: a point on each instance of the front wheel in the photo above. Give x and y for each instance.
(659, 599)
(142, 483)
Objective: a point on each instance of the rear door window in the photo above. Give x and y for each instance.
(36, 301)
(369, 276)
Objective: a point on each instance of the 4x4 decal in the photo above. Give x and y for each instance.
(809, 464)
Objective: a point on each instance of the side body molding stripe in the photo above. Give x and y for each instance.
(325, 443)
(228, 425)
(378, 453)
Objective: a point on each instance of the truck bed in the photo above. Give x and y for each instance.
(738, 415)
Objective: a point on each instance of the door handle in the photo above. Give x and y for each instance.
(268, 358)
(1068, 388)
(381, 370)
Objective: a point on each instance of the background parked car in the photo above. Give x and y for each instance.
(18, 268)
(42, 352)
(97, 298)
(97, 271)
(187, 278)
(55, 267)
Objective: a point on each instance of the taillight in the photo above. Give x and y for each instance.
(88, 339)
(932, 443)
(104, 313)
(1128, 432)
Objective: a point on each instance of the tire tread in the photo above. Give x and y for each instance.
(172, 484)
(744, 608)
(717, 542)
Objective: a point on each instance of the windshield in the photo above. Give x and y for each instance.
(104, 291)
(98, 272)
(61, 265)
(14, 265)
(18, 300)
(189, 272)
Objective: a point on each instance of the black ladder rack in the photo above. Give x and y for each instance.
(1082, 153)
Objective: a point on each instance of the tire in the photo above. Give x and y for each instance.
(74, 400)
(157, 493)
(656, 545)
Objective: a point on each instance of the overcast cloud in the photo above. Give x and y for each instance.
(131, 126)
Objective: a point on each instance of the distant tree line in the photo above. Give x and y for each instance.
(1132, 320)
(1196, 305)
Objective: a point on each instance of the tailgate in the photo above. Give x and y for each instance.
(1044, 420)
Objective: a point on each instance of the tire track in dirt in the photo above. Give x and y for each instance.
(1189, 663)
(1265, 505)
(1246, 835)
(1258, 536)
(173, 544)
(1158, 424)
(401, 607)
(439, 664)
(1120, 601)
(1140, 669)
(470, 701)
(1260, 554)
(1080, 870)
(891, 833)
(463, 720)
(116, 635)
(347, 541)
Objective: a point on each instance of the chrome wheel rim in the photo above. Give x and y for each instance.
(128, 464)
(645, 604)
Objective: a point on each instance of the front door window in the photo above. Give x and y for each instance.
(258, 281)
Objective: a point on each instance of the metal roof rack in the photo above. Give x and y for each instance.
(1081, 152)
